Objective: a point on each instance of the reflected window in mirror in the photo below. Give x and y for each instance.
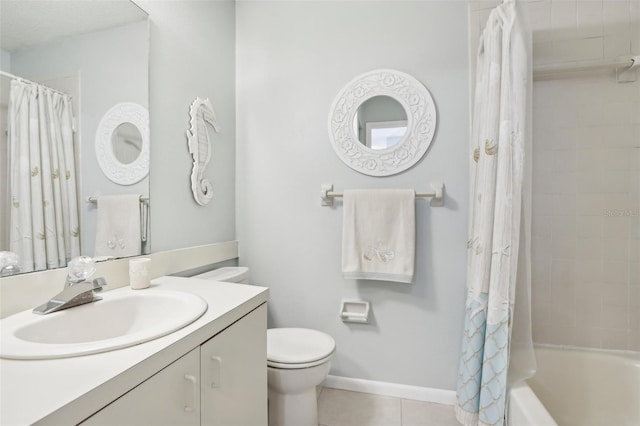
(126, 142)
(380, 122)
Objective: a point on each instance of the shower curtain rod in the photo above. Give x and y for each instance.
(24, 80)
(627, 62)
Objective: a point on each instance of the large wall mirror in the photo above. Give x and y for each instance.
(382, 122)
(88, 56)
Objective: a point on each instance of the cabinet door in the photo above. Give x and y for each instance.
(170, 397)
(234, 373)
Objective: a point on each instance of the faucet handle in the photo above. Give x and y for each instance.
(79, 270)
(98, 283)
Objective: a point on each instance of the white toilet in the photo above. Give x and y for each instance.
(298, 360)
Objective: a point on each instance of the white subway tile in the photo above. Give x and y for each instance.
(563, 138)
(636, 136)
(634, 158)
(564, 204)
(616, 16)
(616, 295)
(588, 270)
(562, 248)
(589, 204)
(583, 49)
(542, 204)
(634, 278)
(589, 18)
(616, 272)
(589, 160)
(589, 248)
(589, 182)
(588, 337)
(541, 293)
(475, 5)
(591, 113)
(614, 317)
(615, 45)
(616, 226)
(616, 159)
(563, 183)
(541, 226)
(634, 250)
(617, 112)
(616, 181)
(563, 160)
(589, 226)
(614, 338)
(564, 18)
(620, 136)
(589, 296)
(541, 250)
(562, 272)
(633, 341)
(634, 319)
(616, 249)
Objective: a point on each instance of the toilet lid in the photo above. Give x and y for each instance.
(298, 345)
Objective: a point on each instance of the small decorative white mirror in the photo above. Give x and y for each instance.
(122, 143)
(198, 136)
(382, 122)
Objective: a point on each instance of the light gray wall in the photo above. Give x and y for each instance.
(112, 67)
(192, 55)
(293, 58)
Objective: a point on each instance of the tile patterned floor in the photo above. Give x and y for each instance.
(344, 408)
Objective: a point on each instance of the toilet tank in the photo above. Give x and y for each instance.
(230, 274)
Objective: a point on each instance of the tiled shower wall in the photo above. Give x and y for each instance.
(586, 176)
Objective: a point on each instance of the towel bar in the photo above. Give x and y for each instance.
(327, 194)
(143, 199)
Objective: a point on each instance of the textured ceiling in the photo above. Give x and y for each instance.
(25, 23)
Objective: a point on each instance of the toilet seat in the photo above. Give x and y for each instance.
(290, 348)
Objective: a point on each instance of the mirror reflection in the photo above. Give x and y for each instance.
(126, 142)
(380, 122)
(71, 71)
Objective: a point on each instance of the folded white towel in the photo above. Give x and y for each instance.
(378, 234)
(118, 227)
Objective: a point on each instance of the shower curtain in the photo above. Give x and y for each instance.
(45, 231)
(499, 195)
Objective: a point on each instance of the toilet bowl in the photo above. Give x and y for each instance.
(298, 360)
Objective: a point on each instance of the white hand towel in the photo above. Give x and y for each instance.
(378, 234)
(118, 227)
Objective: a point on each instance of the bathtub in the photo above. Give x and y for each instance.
(579, 387)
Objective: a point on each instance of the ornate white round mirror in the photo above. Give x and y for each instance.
(382, 122)
(122, 143)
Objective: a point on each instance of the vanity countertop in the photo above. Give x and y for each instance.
(68, 390)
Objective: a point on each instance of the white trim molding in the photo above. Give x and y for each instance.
(417, 393)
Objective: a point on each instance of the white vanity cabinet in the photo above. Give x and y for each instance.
(170, 397)
(221, 382)
(234, 374)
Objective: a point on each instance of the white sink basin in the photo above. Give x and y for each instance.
(123, 318)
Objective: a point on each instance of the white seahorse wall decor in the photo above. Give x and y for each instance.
(201, 113)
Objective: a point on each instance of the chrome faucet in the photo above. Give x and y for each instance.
(77, 289)
(73, 295)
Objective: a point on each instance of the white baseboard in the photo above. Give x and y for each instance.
(418, 393)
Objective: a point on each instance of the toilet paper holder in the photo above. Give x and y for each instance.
(353, 310)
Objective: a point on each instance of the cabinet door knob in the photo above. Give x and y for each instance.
(194, 393)
(215, 371)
